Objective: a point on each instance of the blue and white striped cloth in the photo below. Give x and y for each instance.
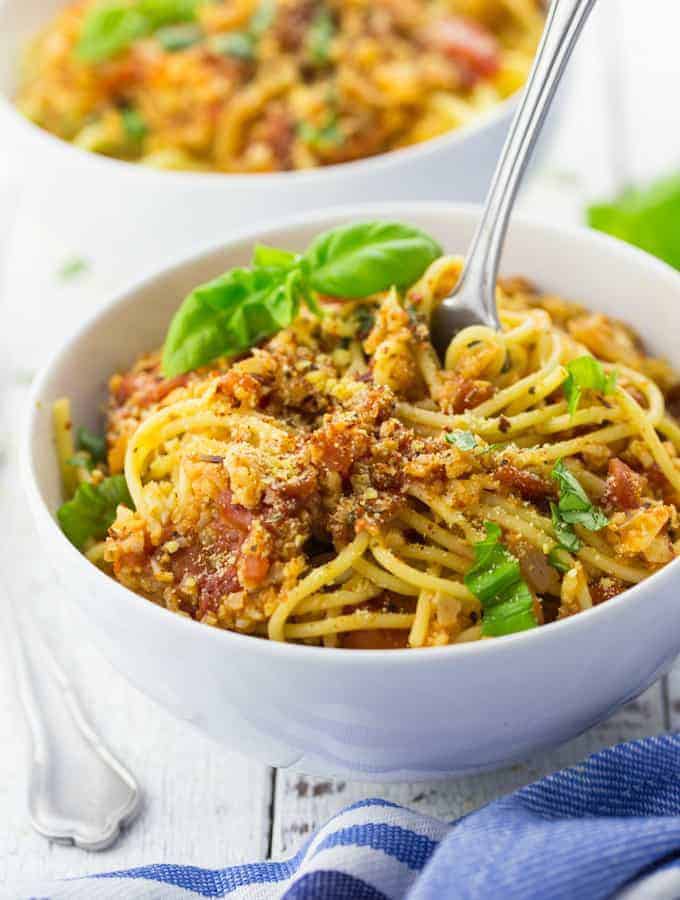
(607, 828)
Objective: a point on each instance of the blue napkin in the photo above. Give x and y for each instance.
(607, 828)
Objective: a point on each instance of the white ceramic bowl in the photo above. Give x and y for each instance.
(161, 211)
(396, 715)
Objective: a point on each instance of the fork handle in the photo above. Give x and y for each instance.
(564, 23)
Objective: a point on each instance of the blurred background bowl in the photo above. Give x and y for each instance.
(149, 215)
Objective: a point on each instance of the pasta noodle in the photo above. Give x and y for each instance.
(274, 85)
(330, 486)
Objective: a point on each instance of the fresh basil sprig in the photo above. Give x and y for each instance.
(111, 27)
(92, 510)
(586, 373)
(235, 311)
(646, 217)
(496, 580)
(573, 508)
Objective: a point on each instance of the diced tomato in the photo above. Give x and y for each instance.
(624, 488)
(467, 43)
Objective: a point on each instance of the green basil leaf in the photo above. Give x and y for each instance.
(586, 372)
(326, 136)
(495, 579)
(564, 533)
(81, 460)
(238, 44)
(229, 315)
(359, 260)
(108, 29)
(93, 509)
(574, 506)
(272, 256)
(464, 440)
(111, 27)
(646, 218)
(556, 561)
(495, 570)
(319, 37)
(135, 126)
(178, 37)
(514, 614)
(92, 443)
(167, 12)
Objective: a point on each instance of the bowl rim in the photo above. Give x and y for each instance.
(364, 166)
(154, 613)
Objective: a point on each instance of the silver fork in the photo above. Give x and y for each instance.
(79, 793)
(473, 300)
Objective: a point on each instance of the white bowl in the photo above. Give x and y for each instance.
(151, 214)
(400, 714)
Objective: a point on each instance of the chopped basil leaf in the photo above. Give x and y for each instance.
(586, 372)
(72, 268)
(111, 27)
(93, 509)
(515, 613)
(178, 37)
(319, 37)
(134, 125)
(238, 44)
(574, 508)
(564, 533)
(464, 440)
(81, 460)
(496, 580)
(91, 443)
(556, 561)
(320, 137)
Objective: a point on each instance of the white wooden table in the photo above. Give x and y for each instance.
(206, 806)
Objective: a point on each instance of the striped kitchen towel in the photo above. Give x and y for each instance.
(607, 828)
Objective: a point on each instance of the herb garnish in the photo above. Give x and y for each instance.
(235, 311)
(93, 509)
(573, 508)
(111, 27)
(319, 37)
(72, 268)
(586, 373)
(646, 218)
(496, 580)
(91, 443)
(243, 44)
(134, 125)
(464, 440)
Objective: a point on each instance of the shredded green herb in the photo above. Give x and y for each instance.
(496, 580)
(464, 440)
(573, 508)
(586, 373)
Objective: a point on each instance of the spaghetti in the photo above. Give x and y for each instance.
(260, 86)
(337, 485)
